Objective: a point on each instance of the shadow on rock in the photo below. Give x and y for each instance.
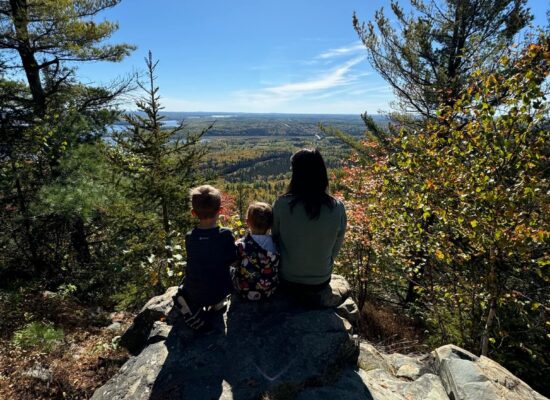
(274, 349)
(263, 348)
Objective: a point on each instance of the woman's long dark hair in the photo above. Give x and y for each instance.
(309, 182)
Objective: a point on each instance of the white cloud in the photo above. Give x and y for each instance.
(272, 97)
(338, 86)
(342, 51)
(337, 77)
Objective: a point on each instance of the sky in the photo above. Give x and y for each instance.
(284, 56)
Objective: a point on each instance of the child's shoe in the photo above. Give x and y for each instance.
(193, 319)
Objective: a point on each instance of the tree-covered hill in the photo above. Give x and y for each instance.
(254, 124)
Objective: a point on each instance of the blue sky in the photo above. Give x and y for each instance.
(288, 56)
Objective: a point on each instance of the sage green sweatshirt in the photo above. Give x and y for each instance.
(308, 247)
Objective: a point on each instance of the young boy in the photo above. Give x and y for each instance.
(255, 276)
(210, 252)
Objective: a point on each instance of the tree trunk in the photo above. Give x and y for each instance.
(19, 11)
(488, 326)
(26, 219)
(167, 242)
(492, 286)
(80, 242)
(413, 282)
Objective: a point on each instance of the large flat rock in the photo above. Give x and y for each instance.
(278, 349)
(255, 348)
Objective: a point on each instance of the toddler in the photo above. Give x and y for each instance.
(255, 275)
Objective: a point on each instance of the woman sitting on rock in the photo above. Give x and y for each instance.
(309, 226)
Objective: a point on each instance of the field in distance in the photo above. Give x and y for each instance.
(249, 154)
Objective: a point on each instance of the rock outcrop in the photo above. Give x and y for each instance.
(280, 350)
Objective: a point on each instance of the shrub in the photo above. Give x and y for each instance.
(451, 220)
(43, 336)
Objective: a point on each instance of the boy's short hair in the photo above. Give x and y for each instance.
(260, 215)
(206, 201)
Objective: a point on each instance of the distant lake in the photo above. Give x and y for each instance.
(168, 123)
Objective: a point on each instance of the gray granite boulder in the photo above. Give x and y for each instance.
(279, 349)
(406, 366)
(468, 377)
(159, 307)
(336, 293)
(370, 358)
(348, 386)
(255, 349)
(376, 384)
(349, 311)
(427, 387)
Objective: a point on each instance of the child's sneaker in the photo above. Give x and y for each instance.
(194, 320)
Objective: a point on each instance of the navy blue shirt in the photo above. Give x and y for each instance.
(210, 252)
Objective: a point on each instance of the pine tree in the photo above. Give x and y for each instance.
(428, 57)
(161, 163)
(47, 34)
(49, 114)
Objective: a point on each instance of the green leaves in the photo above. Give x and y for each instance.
(42, 336)
(458, 213)
(64, 28)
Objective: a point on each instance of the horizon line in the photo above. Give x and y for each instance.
(262, 113)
